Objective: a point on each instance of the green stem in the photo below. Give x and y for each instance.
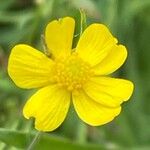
(82, 133)
(34, 141)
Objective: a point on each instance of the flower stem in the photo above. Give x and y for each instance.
(82, 133)
(34, 141)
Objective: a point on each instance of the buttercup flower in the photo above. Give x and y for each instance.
(79, 75)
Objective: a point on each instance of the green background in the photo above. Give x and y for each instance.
(23, 21)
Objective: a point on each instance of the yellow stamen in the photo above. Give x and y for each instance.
(71, 72)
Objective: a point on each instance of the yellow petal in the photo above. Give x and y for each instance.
(91, 112)
(95, 43)
(112, 61)
(110, 92)
(28, 67)
(59, 36)
(48, 106)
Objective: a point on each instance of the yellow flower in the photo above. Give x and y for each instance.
(78, 75)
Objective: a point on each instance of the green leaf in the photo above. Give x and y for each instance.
(46, 141)
(83, 24)
(13, 138)
(80, 26)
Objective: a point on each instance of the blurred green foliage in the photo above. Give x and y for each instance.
(23, 21)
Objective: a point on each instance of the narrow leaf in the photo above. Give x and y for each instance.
(46, 141)
(83, 23)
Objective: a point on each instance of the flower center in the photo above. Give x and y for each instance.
(72, 72)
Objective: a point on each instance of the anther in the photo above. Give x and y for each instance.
(71, 73)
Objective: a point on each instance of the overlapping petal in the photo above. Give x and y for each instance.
(91, 112)
(112, 61)
(110, 92)
(29, 68)
(95, 43)
(59, 36)
(48, 106)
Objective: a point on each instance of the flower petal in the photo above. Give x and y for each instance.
(112, 61)
(28, 67)
(48, 106)
(95, 43)
(91, 112)
(110, 92)
(59, 36)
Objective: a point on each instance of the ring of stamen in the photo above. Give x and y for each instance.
(71, 72)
